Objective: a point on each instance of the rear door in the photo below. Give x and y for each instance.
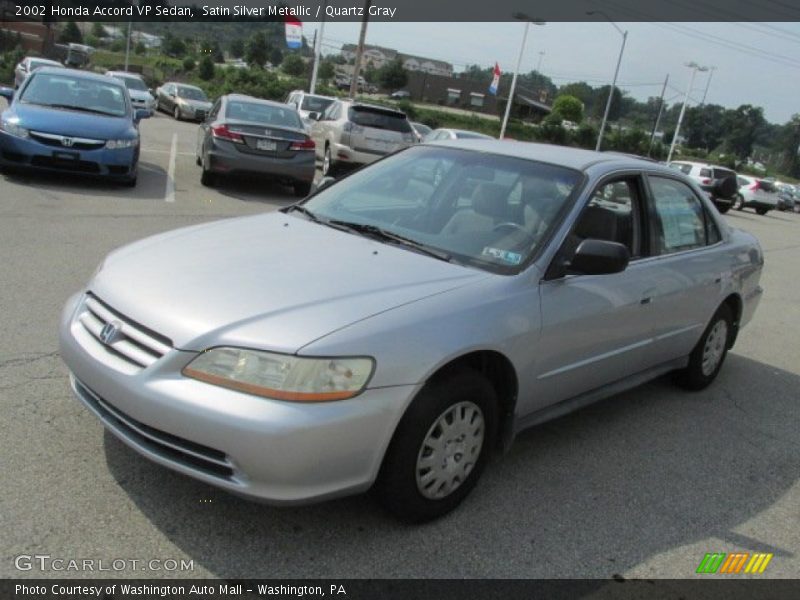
(379, 131)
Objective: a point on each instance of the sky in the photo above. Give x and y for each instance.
(755, 63)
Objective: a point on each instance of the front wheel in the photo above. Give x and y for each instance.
(177, 113)
(706, 359)
(327, 163)
(762, 211)
(738, 202)
(440, 447)
(723, 207)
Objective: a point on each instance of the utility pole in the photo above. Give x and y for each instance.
(528, 20)
(128, 47)
(658, 117)
(708, 83)
(360, 50)
(695, 68)
(539, 64)
(317, 50)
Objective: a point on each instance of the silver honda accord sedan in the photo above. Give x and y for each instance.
(401, 324)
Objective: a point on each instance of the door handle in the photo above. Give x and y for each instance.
(645, 300)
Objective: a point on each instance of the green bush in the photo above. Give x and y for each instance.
(188, 64)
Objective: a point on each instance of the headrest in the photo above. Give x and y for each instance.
(598, 223)
(536, 189)
(490, 199)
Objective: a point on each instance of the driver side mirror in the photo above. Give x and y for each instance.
(171, 94)
(7, 93)
(599, 257)
(140, 113)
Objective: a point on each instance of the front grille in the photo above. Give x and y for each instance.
(117, 170)
(67, 164)
(49, 139)
(131, 341)
(171, 447)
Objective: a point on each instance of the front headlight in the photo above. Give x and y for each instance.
(119, 144)
(282, 376)
(11, 128)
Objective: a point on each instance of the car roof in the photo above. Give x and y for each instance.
(76, 72)
(700, 164)
(376, 106)
(574, 158)
(186, 85)
(124, 74)
(44, 60)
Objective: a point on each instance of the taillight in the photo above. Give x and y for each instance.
(222, 132)
(705, 181)
(756, 186)
(306, 144)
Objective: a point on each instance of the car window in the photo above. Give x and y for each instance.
(266, 114)
(378, 118)
(683, 168)
(134, 83)
(76, 92)
(315, 103)
(329, 114)
(467, 204)
(680, 219)
(742, 181)
(191, 93)
(705, 172)
(212, 115)
(723, 173)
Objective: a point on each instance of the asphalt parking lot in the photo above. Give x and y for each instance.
(641, 485)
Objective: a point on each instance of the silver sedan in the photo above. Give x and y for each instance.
(398, 326)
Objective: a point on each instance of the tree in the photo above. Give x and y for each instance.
(140, 48)
(98, 30)
(568, 108)
(173, 46)
(205, 69)
(326, 70)
(600, 100)
(188, 63)
(255, 51)
(742, 127)
(71, 34)
(392, 75)
(293, 65)
(236, 48)
(275, 56)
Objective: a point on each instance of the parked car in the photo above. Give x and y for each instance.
(758, 194)
(28, 65)
(718, 182)
(455, 134)
(308, 104)
(65, 120)
(137, 89)
(183, 101)
(395, 331)
(400, 95)
(420, 130)
(787, 197)
(351, 134)
(246, 135)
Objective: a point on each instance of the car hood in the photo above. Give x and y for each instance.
(70, 122)
(273, 281)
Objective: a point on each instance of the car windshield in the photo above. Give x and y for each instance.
(484, 210)
(422, 129)
(134, 83)
(74, 92)
(265, 114)
(35, 64)
(315, 103)
(471, 135)
(192, 93)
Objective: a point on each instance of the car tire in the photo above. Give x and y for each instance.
(176, 113)
(207, 177)
(328, 168)
(723, 207)
(762, 211)
(709, 354)
(417, 472)
(130, 183)
(738, 202)
(302, 188)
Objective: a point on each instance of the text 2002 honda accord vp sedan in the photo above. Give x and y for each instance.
(398, 325)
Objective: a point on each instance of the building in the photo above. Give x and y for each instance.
(380, 56)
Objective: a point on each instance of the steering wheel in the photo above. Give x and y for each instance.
(515, 227)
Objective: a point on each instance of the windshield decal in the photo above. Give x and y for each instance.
(506, 256)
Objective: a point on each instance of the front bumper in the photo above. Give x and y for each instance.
(29, 153)
(225, 158)
(274, 451)
(190, 113)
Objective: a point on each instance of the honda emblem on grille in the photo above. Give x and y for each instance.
(268, 132)
(110, 331)
(67, 142)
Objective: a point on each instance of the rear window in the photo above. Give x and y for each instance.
(316, 104)
(705, 173)
(263, 114)
(379, 119)
(767, 186)
(723, 173)
(685, 169)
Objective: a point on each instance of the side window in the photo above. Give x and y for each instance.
(680, 220)
(705, 172)
(212, 116)
(328, 115)
(685, 169)
(612, 214)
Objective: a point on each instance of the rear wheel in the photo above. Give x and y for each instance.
(302, 188)
(130, 182)
(706, 359)
(327, 163)
(738, 202)
(762, 211)
(207, 177)
(440, 447)
(723, 207)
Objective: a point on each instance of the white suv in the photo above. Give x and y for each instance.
(717, 181)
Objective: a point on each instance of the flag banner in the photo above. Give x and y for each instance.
(294, 32)
(495, 79)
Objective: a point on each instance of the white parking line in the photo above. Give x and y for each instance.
(169, 193)
(155, 151)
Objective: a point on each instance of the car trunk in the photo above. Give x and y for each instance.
(263, 140)
(376, 130)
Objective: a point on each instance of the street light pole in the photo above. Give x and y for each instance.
(695, 68)
(708, 84)
(528, 21)
(624, 35)
(318, 50)
(128, 46)
(539, 64)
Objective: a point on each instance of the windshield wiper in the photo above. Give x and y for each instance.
(302, 209)
(382, 234)
(81, 109)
